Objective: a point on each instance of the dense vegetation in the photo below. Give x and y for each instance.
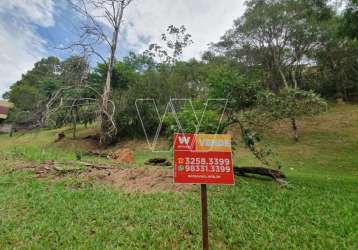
(277, 61)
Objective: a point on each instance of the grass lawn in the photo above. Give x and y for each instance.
(319, 209)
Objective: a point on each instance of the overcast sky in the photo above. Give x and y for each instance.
(29, 29)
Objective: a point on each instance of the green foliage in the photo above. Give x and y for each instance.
(19, 117)
(239, 89)
(145, 78)
(291, 103)
(195, 117)
(75, 100)
(36, 84)
(336, 74)
(30, 94)
(176, 40)
(25, 97)
(123, 74)
(158, 82)
(349, 22)
(50, 78)
(296, 44)
(275, 45)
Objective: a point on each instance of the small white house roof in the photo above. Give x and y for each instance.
(5, 108)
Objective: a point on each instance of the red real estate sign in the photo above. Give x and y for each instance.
(203, 159)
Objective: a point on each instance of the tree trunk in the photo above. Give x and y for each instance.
(108, 128)
(293, 73)
(74, 130)
(283, 78)
(294, 128)
(74, 121)
(105, 123)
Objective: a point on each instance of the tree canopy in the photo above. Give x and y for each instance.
(281, 57)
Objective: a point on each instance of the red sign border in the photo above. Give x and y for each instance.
(200, 183)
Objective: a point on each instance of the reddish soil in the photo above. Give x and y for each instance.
(124, 155)
(142, 180)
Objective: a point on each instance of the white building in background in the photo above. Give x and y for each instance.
(4, 112)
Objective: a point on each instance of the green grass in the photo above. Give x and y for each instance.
(319, 210)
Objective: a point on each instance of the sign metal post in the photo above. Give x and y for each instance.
(204, 217)
(203, 159)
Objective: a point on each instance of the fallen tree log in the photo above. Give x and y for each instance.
(158, 162)
(274, 174)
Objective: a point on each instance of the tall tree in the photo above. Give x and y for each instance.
(33, 91)
(74, 74)
(336, 60)
(102, 23)
(276, 36)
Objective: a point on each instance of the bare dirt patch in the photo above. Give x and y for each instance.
(124, 155)
(142, 180)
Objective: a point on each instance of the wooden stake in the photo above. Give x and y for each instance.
(204, 217)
